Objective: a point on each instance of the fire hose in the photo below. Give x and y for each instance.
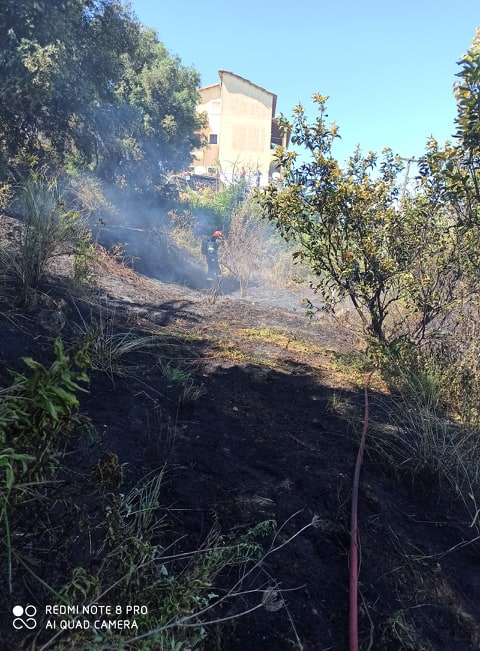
(353, 593)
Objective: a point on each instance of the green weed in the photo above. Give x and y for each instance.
(41, 403)
(191, 390)
(9, 461)
(35, 411)
(401, 632)
(139, 566)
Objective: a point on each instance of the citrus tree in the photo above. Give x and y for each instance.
(365, 241)
(450, 175)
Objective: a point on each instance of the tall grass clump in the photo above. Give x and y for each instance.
(52, 223)
(434, 426)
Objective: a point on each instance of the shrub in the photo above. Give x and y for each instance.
(433, 424)
(36, 409)
(245, 248)
(35, 412)
(53, 224)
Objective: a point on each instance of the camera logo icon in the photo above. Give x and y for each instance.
(24, 617)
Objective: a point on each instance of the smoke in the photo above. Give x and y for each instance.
(161, 239)
(149, 240)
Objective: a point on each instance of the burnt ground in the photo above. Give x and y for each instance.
(273, 435)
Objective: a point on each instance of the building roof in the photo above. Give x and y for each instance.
(226, 72)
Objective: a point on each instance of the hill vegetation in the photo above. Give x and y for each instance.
(177, 456)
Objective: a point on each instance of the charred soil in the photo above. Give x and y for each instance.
(245, 406)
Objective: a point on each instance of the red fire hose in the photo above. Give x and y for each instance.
(353, 605)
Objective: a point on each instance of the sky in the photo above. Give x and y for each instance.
(388, 66)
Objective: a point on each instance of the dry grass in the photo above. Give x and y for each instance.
(114, 262)
(420, 440)
(286, 340)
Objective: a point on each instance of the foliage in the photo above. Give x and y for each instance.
(161, 96)
(365, 242)
(217, 207)
(139, 567)
(85, 254)
(35, 412)
(5, 195)
(453, 168)
(190, 389)
(444, 371)
(181, 229)
(433, 419)
(251, 246)
(37, 408)
(9, 462)
(61, 59)
(467, 93)
(53, 224)
(422, 440)
(83, 80)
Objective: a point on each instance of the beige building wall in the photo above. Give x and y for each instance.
(240, 117)
(207, 158)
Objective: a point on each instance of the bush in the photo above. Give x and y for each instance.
(245, 248)
(53, 224)
(36, 408)
(35, 412)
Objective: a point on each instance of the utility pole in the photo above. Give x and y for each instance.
(405, 180)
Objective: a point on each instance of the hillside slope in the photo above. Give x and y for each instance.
(248, 411)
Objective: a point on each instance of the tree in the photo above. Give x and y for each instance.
(362, 241)
(60, 60)
(454, 168)
(161, 95)
(83, 79)
(450, 174)
(467, 93)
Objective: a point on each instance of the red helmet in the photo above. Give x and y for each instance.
(218, 234)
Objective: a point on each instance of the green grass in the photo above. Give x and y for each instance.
(280, 339)
(138, 566)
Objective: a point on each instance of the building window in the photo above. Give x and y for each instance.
(213, 139)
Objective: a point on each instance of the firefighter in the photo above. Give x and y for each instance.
(210, 251)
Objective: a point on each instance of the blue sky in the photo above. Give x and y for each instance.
(388, 66)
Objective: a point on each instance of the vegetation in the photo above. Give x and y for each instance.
(92, 100)
(245, 248)
(406, 259)
(140, 562)
(175, 586)
(367, 242)
(86, 85)
(54, 224)
(36, 413)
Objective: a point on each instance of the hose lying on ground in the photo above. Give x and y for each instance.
(353, 605)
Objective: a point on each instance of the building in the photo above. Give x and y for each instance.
(242, 131)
